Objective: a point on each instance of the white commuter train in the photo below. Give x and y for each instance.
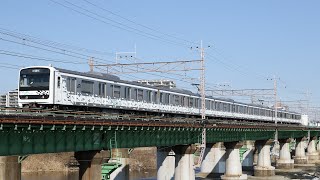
(50, 87)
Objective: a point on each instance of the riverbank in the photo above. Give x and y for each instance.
(140, 159)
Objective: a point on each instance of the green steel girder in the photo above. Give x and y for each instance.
(314, 133)
(229, 135)
(35, 139)
(23, 139)
(286, 134)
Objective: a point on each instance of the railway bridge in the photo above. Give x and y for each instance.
(230, 145)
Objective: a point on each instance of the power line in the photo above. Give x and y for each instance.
(8, 67)
(117, 24)
(63, 51)
(53, 43)
(139, 24)
(27, 56)
(10, 53)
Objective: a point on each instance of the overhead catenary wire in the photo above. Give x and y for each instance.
(23, 39)
(60, 50)
(105, 20)
(8, 67)
(53, 43)
(139, 24)
(24, 55)
(38, 58)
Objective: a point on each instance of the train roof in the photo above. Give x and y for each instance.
(110, 77)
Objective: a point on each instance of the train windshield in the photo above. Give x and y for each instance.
(34, 79)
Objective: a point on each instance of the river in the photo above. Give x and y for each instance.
(134, 175)
(308, 172)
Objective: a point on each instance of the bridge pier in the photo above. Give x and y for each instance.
(214, 159)
(233, 164)
(285, 161)
(300, 153)
(121, 156)
(248, 156)
(312, 153)
(263, 167)
(10, 168)
(165, 163)
(255, 155)
(318, 147)
(184, 162)
(90, 164)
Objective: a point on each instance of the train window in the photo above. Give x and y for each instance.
(127, 93)
(87, 87)
(176, 99)
(185, 101)
(167, 98)
(116, 91)
(102, 89)
(161, 98)
(155, 97)
(225, 107)
(139, 94)
(233, 108)
(59, 82)
(207, 104)
(216, 105)
(71, 85)
(196, 102)
(240, 109)
(133, 94)
(149, 96)
(191, 102)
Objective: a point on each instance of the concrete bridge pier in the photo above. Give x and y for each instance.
(184, 162)
(300, 153)
(214, 161)
(88, 167)
(318, 147)
(255, 155)
(285, 161)
(248, 156)
(121, 156)
(312, 153)
(10, 168)
(165, 163)
(233, 164)
(263, 167)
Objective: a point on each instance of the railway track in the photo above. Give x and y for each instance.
(52, 117)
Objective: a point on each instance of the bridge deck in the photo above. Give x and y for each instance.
(34, 133)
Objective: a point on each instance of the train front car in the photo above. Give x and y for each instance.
(36, 86)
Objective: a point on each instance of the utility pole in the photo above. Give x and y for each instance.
(275, 83)
(275, 100)
(308, 100)
(276, 108)
(91, 64)
(203, 103)
(202, 84)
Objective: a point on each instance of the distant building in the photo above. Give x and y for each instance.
(10, 99)
(159, 83)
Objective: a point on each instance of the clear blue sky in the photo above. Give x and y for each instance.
(251, 40)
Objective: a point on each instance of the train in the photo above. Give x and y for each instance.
(56, 88)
